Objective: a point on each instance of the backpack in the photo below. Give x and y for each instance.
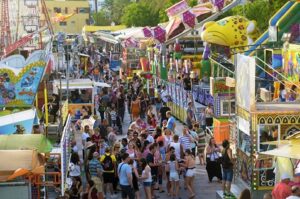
(108, 163)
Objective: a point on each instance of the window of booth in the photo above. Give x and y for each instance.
(244, 142)
(79, 96)
(227, 107)
(267, 133)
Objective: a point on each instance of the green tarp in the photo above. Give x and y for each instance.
(25, 141)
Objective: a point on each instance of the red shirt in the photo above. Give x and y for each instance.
(281, 191)
(95, 139)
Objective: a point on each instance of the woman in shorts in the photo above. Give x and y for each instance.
(173, 167)
(189, 164)
(146, 178)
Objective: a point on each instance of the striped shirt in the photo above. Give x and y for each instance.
(95, 164)
(185, 142)
(201, 137)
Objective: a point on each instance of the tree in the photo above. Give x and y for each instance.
(139, 14)
(162, 13)
(265, 8)
(101, 18)
(118, 10)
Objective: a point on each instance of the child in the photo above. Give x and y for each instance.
(172, 167)
(113, 116)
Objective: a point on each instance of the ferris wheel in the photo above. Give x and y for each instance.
(23, 24)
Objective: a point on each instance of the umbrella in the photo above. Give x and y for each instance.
(159, 34)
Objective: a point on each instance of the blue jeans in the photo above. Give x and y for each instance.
(227, 175)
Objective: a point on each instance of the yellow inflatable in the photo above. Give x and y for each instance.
(61, 18)
(233, 31)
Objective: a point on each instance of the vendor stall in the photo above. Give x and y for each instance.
(81, 94)
(256, 123)
(21, 165)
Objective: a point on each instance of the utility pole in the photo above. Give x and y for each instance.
(96, 6)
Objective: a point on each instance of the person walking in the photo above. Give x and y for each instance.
(190, 115)
(146, 177)
(186, 139)
(153, 165)
(95, 172)
(163, 113)
(135, 108)
(125, 177)
(227, 166)
(213, 167)
(189, 164)
(135, 176)
(177, 147)
(108, 162)
(209, 113)
(201, 142)
(171, 122)
(172, 167)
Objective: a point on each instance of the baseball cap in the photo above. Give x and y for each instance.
(285, 176)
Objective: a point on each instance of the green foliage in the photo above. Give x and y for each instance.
(111, 11)
(139, 14)
(168, 3)
(260, 10)
(101, 19)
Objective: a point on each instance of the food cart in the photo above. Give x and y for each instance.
(81, 94)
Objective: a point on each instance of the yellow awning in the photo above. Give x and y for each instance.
(287, 151)
(87, 29)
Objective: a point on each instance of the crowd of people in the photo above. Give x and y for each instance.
(153, 156)
(153, 150)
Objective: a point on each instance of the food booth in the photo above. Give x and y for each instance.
(257, 123)
(81, 94)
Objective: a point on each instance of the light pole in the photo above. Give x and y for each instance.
(192, 77)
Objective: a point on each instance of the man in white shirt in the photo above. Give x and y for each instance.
(85, 134)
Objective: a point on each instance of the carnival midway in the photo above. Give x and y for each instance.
(203, 104)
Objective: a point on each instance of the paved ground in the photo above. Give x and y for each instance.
(203, 189)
